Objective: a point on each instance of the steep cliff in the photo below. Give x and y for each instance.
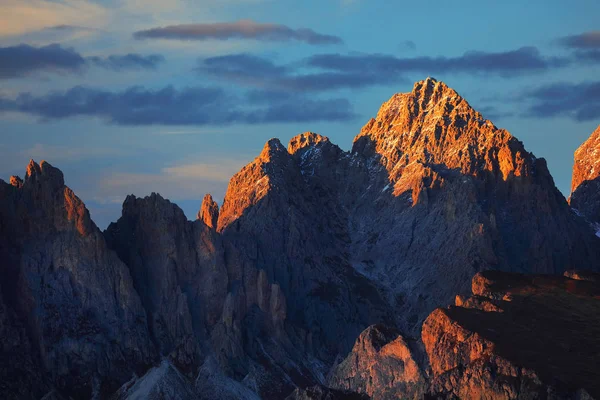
(585, 186)
(69, 302)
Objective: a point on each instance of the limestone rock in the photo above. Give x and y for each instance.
(542, 344)
(72, 301)
(161, 382)
(209, 212)
(585, 185)
(323, 393)
(381, 365)
(177, 268)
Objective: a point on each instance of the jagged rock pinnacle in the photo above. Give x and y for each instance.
(304, 140)
(209, 212)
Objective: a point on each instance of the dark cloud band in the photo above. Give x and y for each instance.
(243, 29)
(127, 61)
(336, 71)
(579, 101)
(508, 63)
(583, 41)
(170, 106)
(24, 60)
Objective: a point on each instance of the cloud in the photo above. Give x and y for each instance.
(506, 64)
(170, 106)
(23, 16)
(242, 66)
(69, 154)
(24, 60)
(587, 57)
(127, 61)
(263, 73)
(584, 41)
(578, 101)
(55, 34)
(492, 113)
(187, 180)
(332, 71)
(19, 61)
(242, 29)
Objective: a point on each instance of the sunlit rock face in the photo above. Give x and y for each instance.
(585, 186)
(209, 212)
(381, 365)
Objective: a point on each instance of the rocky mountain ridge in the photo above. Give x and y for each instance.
(267, 295)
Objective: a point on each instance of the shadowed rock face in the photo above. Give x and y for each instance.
(540, 338)
(585, 186)
(179, 271)
(68, 301)
(518, 336)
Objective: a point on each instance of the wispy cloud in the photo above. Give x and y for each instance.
(68, 153)
(22, 16)
(507, 63)
(171, 106)
(582, 41)
(242, 29)
(127, 61)
(578, 101)
(24, 60)
(263, 73)
(189, 180)
(18, 61)
(324, 72)
(585, 46)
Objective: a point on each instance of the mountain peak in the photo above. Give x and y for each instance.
(433, 124)
(44, 171)
(209, 212)
(304, 140)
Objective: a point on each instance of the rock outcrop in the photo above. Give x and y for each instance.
(70, 312)
(209, 212)
(179, 271)
(518, 337)
(585, 185)
(287, 221)
(381, 365)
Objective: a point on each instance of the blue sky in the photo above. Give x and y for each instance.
(134, 96)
